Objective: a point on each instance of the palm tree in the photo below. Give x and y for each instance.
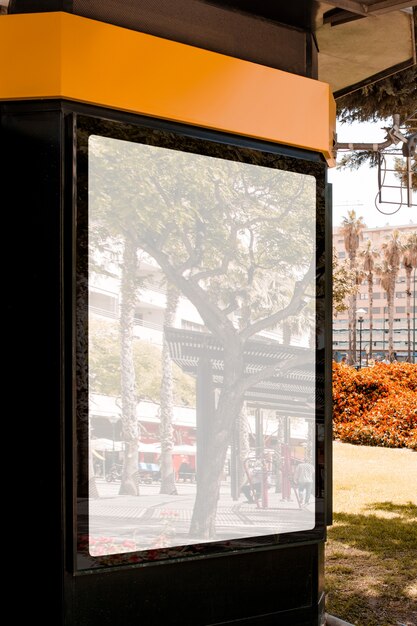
(130, 480)
(392, 250)
(167, 400)
(368, 256)
(410, 263)
(351, 230)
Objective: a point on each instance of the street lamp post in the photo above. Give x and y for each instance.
(360, 313)
(383, 333)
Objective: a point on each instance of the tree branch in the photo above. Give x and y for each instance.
(215, 319)
(291, 309)
(224, 266)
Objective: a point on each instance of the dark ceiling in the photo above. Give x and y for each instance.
(358, 42)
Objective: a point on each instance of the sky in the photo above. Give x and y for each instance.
(357, 189)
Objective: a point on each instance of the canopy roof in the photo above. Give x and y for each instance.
(362, 42)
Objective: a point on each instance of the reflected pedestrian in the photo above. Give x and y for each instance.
(184, 472)
(304, 479)
(252, 489)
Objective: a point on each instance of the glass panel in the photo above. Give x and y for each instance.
(202, 381)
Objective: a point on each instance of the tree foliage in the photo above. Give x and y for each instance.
(104, 364)
(380, 100)
(402, 174)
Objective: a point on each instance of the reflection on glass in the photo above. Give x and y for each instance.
(201, 348)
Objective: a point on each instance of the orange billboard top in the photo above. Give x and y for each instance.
(59, 55)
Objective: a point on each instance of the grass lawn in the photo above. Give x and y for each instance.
(371, 552)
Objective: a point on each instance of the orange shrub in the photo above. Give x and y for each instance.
(376, 406)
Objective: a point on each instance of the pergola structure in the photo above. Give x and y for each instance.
(290, 392)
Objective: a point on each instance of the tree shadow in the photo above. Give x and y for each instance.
(380, 535)
(408, 510)
(371, 565)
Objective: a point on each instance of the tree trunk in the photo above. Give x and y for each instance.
(209, 472)
(390, 305)
(167, 401)
(130, 477)
(203, 521)
(370, 312)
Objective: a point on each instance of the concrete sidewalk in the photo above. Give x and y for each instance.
(152, 517)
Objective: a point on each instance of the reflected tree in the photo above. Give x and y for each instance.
(237, 241)
(130, 477)
(167, 400)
